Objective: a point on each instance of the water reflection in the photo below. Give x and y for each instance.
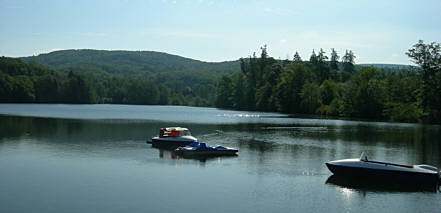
(409, 144)
(363, 186)
(170, 154)
(280, 166)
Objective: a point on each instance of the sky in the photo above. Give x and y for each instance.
(377, 31)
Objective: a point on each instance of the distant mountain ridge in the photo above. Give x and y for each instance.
(388, 66)
(128, 62)
(134, 62)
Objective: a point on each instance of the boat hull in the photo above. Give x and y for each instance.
(169, 144)
(391, 176)
(206, 153)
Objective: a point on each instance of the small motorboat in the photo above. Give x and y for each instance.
(172, 138)
(362, 168)
(196, 149)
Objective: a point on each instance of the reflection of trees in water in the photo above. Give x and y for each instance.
(419, 143)
(415, 144)
(368, 185)
(256, 145)
(178, 159)
(427, 144)
(72, 130)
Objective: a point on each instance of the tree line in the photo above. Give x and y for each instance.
(322, 85)
(29, 82)
(333, 87)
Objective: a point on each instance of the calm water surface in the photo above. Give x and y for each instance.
(93, 158)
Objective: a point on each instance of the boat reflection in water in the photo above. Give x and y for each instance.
(374, 185)
(170, 154)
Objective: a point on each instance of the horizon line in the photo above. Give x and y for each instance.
(173, 54)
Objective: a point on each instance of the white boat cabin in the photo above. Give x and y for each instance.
(174, 132)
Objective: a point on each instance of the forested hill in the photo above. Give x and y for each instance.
(30, 82)
(388, 66)
(315, 86)
(338, 88)
(129, 62)
(116, 76)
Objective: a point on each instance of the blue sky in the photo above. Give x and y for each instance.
(376, 31)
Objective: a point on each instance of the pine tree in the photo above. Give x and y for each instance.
(297, 58)
(313, 59)
(321, 58)
(334, 60)
(348, 62)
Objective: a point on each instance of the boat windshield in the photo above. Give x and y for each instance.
(185, 133)
(363, 157)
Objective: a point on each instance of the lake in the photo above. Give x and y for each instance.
(94, 158)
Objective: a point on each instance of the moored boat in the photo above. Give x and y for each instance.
(363, 168)
(172, 138)
(201, 149)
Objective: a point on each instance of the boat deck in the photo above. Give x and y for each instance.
(391, 164)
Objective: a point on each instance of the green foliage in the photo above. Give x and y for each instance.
(239, 91)
(292, 79)
(310, 96)
(336, 107)
(365, 94)
(428, 56)
(335, 88)
(47, 89)
(328, 91)
(142, 92)
(403, 112)
(22, 90)
(297, 58)
(334, 60)
(110, 74)
(31, 82)
(127, 62)
(320, 66)
(313, 58)
(317, 86)
(264, 98)
(6, 88)
(164, 95)
(348, 61)
(77, 90)
(225, 92)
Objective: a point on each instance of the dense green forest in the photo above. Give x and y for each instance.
(324, 86)
(29, 82)
(119, 77)
(330, 87)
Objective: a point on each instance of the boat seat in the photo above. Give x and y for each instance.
(203, 146)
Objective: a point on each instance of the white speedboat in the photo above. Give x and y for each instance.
(172, 138)
(382, 171)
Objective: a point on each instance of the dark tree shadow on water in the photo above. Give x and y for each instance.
(368, 185)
